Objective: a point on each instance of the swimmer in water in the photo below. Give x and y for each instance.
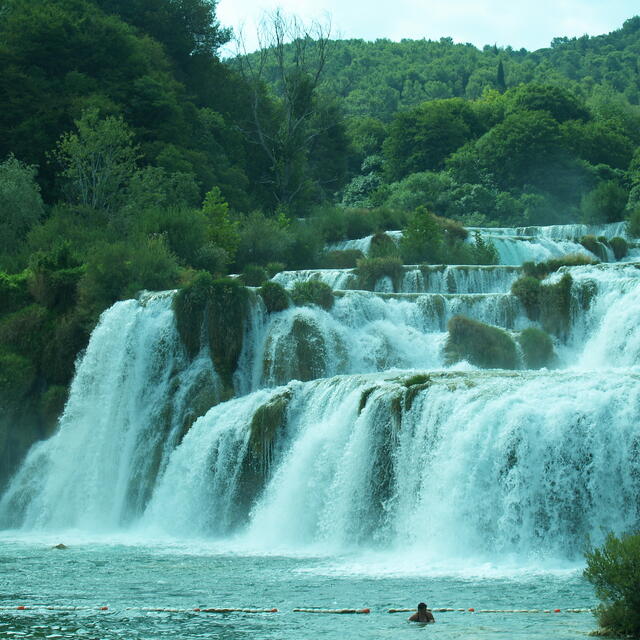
(422, 615)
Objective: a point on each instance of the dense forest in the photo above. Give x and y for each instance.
(132, 157)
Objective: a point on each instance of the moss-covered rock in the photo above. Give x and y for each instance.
(527, 290)
(595, 246)
(268, 420)
(220, 307)
(274, 296)
(543, 269)
(226, 320)
(480, 344)
(555, 306)
(537, 348)
(370, 270)
(620, 247)
(300, 354)
(313, 292)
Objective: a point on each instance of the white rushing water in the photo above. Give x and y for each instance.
(348, 429)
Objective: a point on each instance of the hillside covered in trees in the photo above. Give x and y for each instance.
(132, 157)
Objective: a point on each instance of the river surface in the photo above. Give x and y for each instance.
(127, 576)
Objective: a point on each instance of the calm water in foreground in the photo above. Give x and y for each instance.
(124, 575)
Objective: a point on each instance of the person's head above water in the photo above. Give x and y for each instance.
(422, 606)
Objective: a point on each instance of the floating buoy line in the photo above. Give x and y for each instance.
(365, 610)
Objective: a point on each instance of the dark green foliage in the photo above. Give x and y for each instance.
(313, 292)
(370, 270)
(550, 303)
(275, 267)
(346, 259)
(274, 296)
(422, 138)
(359, 223)
(606, 203)
(552, 99)
(614, 571)
(254, 275)
(189, 306)
(218, 310)
(480, 344)
(120, 270)
(262, 240)
(383, 246)
(13, 292)
(543, 269)
(422, 239)
(537, 348)
(52, 404)
(27, 332)
(595, 246)
(54, 277)
(17, 375)
(619, 246)
(633, 225)
(555, 306)
(226, 320)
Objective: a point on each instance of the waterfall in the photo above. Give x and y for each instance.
(132, 395)
(347, 427)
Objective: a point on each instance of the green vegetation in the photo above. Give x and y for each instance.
(537, 348)
(595, 246)
(254, 275)
(274, 296)
(480, 344)
(541, 270)
(614, 571)
(620, 247)
(313, 292)
(346, 259)
(370, 270)
(527, 290)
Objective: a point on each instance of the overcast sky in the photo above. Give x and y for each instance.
(519, 23)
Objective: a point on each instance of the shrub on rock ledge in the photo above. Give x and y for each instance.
(537, 348)
(274, 296)
(313, 292)
(480, 344)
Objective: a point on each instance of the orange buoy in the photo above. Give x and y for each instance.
(471, 609)
(21, 607)
(104, 608)
(556, 611)
(274, 610)
(364, 611)
(196, 609)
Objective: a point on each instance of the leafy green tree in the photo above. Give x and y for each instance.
(422, 238)
(422, 138)
(221, 229)
(561, 104)
(614, 571)
(20, 203)
(99, 161)
(606, 203)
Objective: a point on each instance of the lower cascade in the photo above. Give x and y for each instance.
(349, 427)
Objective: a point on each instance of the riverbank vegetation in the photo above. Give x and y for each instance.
(614, 571)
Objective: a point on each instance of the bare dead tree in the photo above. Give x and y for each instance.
(292, 55)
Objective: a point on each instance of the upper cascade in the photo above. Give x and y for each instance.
(516, 245)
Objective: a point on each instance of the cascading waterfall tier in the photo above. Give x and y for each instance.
(491, 462)
(348, 430)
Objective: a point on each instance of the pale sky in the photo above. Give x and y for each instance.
(531, 24)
